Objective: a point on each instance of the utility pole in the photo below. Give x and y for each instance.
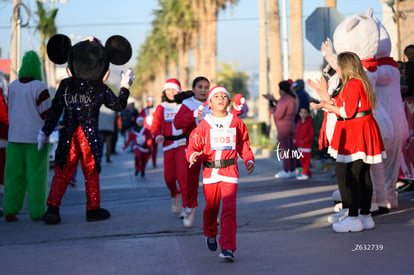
(397, 22)
(15, 41)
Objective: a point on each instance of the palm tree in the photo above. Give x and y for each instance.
(178, 21)
(208, 36)
(296, 40)
(263, 114)
(180, 27)
(275, 55)
(47, 28)
(234, 81)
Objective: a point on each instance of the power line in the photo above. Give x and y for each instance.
(132, 23)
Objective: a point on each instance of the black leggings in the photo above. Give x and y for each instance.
(355, 186)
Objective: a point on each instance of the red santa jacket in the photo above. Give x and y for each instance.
(142, 139)
(162, 125)
(220, 139)
(187, 116)
(304, 134)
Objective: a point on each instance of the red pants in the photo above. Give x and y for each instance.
(305, 161)
(213, 194)
(154, 150)
(141, 159)
(79, 150)
(175, 169)
(192, 185)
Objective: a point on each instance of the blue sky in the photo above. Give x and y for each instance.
(238, 27)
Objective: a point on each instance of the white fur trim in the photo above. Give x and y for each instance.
(216, 90)
(172, 85)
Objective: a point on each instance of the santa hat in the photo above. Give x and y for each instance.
(140, 119)
(150, 98)
(172, 83)
(238, 101)
(217, 89)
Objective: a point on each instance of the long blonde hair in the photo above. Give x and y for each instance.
(351, 67)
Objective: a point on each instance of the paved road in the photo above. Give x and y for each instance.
(282, 229)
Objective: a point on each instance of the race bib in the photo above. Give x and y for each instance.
(223, 139)
(169, 115)
(140, 140)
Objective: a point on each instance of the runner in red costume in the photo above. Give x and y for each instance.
(147, 114)
(173, 144)
(216, 142)
(142, 139)
(191, 112)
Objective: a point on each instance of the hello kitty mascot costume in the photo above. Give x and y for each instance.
(388, 92)
(359, 33)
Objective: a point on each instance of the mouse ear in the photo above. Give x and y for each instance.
(119, 49)
(58, 48)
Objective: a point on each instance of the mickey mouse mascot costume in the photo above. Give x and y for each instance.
(79, 98)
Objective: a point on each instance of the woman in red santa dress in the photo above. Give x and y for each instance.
(356, 142)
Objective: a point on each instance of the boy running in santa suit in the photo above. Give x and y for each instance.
(174, 143)
(216, 142)
(191, 112)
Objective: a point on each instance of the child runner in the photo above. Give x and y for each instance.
(188, 117)
(303, 141)
(142, 139)
(216, 142)
(147, 113)
(174, 143)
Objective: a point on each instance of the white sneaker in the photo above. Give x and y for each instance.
(285, 175)
(302, 177)
(367, 221)
(189, 216)
(175, 204)
(334, 218)
(348, 224)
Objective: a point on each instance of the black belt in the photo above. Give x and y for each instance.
(357, 115)
(175, 137)
(221, 163)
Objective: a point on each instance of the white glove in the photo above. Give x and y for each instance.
(159, 139)
(41, 140)
(328, 53)
(127, 78)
